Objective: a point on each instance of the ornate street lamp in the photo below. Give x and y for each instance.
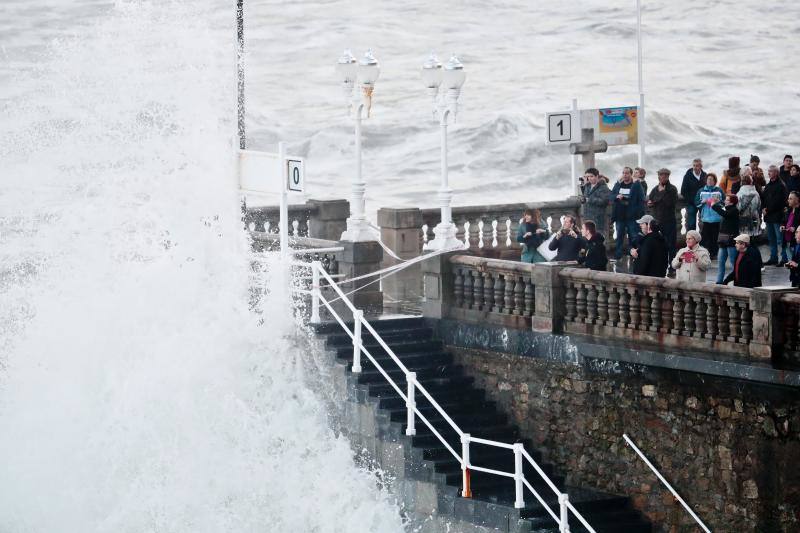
(366, 72)
(450, 79)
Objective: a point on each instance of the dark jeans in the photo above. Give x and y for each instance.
(691, 218)
(629, 226)
(670, 232)
(710, 234)
(775, 238)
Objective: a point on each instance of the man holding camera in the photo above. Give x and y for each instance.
(568, 243)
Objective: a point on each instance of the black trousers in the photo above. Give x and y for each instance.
(710, 234)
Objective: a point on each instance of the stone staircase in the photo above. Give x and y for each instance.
(427, 460)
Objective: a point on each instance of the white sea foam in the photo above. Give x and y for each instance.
(137, 390)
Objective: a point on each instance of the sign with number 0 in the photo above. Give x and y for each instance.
(295, 174)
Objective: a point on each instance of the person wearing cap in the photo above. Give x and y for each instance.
(692, 261)
(747, 268)
(662, 202)
(651, 254)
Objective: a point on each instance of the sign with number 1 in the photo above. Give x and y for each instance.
(559, 128)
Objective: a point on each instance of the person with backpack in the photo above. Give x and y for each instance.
(749, 207)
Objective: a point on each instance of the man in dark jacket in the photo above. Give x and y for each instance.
(773, 200)
(662, 201)
(568, 243)
(628, 199)
(693, 181)
(747, 269)
(651, 255)
(594, 256)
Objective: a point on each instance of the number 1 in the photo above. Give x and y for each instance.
(560, 125)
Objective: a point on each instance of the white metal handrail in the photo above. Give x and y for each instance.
(689, 510)
(413, 385)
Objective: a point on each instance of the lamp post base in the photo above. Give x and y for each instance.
(445, 238)
(358, 230)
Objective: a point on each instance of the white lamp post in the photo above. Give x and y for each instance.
(449, 79)
(366, 72)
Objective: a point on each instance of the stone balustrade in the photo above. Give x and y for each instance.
(492, 229)
(493, 290)
(264, 242)
(657, 310)
(656, 313)
(321, 219)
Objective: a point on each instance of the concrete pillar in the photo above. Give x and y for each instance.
(768, 324)
(549, 309)
(400, 232)
(359, 258)
(437, 280)
(328, 218)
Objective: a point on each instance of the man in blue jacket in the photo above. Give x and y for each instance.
(628, 206)
(693, 181)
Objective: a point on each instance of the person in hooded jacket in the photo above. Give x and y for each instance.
(594, 256)
(595, 199)
(728, 230)
(794, 261)
(749, 205)
(651, 254)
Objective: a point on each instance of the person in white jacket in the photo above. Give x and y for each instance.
(692, 261)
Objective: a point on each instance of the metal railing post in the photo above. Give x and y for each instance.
(519, 501)
(411, 404)
(466, 491)
(315, 266)
(358, 316)
(563, 499)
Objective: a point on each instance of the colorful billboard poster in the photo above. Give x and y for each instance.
(615, 125)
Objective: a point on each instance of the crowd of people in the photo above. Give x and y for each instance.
(732, 213)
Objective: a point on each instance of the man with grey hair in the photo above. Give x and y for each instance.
(693, 181)
(773, 201)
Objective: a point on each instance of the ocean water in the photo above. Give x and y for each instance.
(138, 391)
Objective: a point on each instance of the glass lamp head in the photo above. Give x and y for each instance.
(454, 75)
(368, 69)
(432, 72)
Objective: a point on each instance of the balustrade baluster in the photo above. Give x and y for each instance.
(569, 301)
(591, 304)
(499, 290)
(488, 234)
(519, 296)
(667, 317)
(477, 291)
(644, 310)
(469, 296)
(509, 295)
(634, 309)
(747, 323)
(723, 320)
(602, 306)
(688, 315)
(677, 314)
(529, 295)
(624, 307)
(711, 318)
(613, 307)
(488, 291)
(474, 234)
(736, 322)
(458, 286)
(580, 302)
(655, 311)
(460, 231)
(502, 233)
(700, 312)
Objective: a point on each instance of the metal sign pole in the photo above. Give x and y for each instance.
(641, 118)
(283, 224)
(240, 71)
(574, 177)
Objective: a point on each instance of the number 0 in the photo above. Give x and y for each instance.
(296, 175)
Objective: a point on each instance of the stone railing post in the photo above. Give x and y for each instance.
(328, 218)
(548, 315)
(767, 340)
(437, 282)
(358, 259)
(400, 231)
